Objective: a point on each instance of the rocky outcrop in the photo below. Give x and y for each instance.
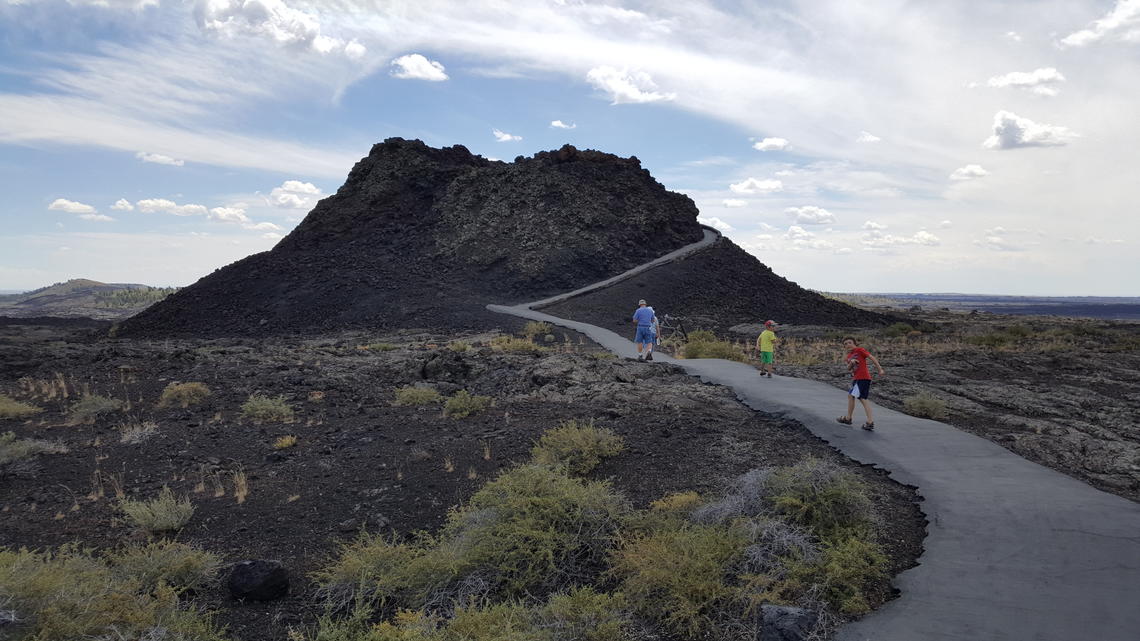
(424, 237)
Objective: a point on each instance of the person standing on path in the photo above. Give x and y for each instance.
(856, 360)
(765, 342)
(644, 319)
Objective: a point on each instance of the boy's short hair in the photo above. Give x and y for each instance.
(852, 339)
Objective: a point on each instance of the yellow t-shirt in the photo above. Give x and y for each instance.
(767, 338)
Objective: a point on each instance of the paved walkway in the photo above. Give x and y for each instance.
(1013, 550)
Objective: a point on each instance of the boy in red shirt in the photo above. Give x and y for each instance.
(856, 360)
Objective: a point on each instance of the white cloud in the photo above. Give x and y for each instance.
(946, 224)
(795, 232)
(1092, 240)
(416, 67)
(354, 50)
(1013, 35)
(159, 159)
(1039, 81)
(84, 211)
(1123, 22)
(866, 136)
(843, 251)
(969, 172)
(295, 194)
(272, 19)
(1012, 131)
(122, 204)
(265, 226)
(502, 136)
(228, 215)
(272, 236)
(875, 238)
(803, 239)
(558, 124)
(156, 205)
(874, 226)
(810, 215)
(756, 186)
(771, 144)
(734, 202)
(715, 223)
(626, 86)
(71, 206)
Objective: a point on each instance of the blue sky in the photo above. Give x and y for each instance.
(873, 146)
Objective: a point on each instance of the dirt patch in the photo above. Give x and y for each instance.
(360, 462)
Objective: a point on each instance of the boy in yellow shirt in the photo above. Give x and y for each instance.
(765, 343)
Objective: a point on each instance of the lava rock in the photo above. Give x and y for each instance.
(784, 623)
(258, 580)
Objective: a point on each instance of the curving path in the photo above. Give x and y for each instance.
(1014, 550)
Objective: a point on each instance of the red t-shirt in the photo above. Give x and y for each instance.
(861, 372)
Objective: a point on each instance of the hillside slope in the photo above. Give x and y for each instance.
(80, 297)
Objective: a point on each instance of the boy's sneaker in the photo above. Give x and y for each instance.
(649, 356)
(769, 374)
(641, 357)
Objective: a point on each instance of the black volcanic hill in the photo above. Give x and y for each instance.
(424, 237)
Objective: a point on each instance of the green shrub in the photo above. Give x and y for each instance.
(579, 446)
(459, 346)
(165, 513)
(533, 329)
(926, 405)
(90, 407)
(14, 449)
(850, 567)
(822, 496)
(680, 575)
(412, 396)
(11, 408)
(464, 404)
(514, 345)
(702, 336)
(183, 394)
(585, 614)
(896, 330)
(263, 409)
(176, 564)
(713, 349)
(69, 595)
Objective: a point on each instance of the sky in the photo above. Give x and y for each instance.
(872, 146)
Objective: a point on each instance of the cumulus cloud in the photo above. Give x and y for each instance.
(502, 136)
(873, 226)
(803, 239)
(558, 124)
(876, 238)
(159, 159)
(1013, 35)
(122, 204)
(354, 50)
(1092, 240)
(626, 86)
(228, 215)
(756, 186)
(272, 19)
(416, 67)
(1122, 22)
(946, 224)
(810, 215)
(83, 210)
(715, 223)
(969, 172)
(866, 136)
(1039, 81)
(1012, 131)
(734, 202)
(771, 144)
(294, 194)
(71, 206)
(162, 205)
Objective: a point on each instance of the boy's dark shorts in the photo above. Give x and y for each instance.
(861, 389)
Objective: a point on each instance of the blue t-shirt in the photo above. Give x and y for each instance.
(643, 316)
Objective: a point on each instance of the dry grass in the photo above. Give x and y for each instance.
(183, 394)
(264, 409)
(925, 404)
(412, 396)
(464, 404)
(241, 485)
(164, 513)
(15, 449)
(92, 406)
(284, 442)
(11, 408)
(135, 431)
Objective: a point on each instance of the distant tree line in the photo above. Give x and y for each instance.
(125, 298)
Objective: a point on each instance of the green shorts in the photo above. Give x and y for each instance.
(766, 358)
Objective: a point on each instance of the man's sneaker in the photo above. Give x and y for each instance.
(649, 356)
(641, 357)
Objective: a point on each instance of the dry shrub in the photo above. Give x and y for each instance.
(578, 446)
(263, 409)
(69, 594)
(378, 347)
(464, 404)
(135, 431)
(165, 513)
(11, 408)
(514, 345)
(284, 442)
(533, 329)
(926, 405)
(92, 406)
(178, 565)
(14, 449)
(183, 394)
(412, 396)
(702, 348)
(820, 495)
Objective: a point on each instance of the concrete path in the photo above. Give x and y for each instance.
(1014, 550)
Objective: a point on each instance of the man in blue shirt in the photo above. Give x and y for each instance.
(645, 320)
